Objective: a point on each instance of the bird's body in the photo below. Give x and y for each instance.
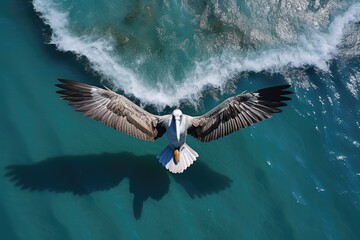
(177, 156)
(120, 113)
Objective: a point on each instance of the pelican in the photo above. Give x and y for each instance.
(117, 111)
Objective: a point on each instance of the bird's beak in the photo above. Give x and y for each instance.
(177, 126)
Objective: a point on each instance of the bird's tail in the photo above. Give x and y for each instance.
(177, 160)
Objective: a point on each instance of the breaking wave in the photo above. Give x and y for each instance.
(314, 46)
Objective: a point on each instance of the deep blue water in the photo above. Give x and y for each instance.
(295, 176)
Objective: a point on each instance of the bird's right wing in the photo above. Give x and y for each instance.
(112, 109)
(238, 112)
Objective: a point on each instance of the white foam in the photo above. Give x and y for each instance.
(315, 49)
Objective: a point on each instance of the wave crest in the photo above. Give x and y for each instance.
(313, 47)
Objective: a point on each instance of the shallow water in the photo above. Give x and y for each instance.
(295, 176)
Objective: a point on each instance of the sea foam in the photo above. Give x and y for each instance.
(314, 48)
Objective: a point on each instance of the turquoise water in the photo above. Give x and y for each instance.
(295, 176)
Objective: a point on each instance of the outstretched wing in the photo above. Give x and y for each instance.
(112, 109)
(239, 112)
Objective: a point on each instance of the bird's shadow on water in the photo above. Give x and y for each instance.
(84, 174)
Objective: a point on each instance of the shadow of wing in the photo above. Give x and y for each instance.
(76, 174)
(200, 180)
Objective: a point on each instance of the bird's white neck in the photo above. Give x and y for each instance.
(176, 131)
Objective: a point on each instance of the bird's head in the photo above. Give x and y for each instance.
(177, 113)
(177, 117)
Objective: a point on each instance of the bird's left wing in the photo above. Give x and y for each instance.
(238, 112)
(112, 109)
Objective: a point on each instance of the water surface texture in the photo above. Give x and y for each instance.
(295, 176)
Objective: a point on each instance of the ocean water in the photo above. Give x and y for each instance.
(294, 176)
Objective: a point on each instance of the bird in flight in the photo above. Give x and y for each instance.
(117, 111)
